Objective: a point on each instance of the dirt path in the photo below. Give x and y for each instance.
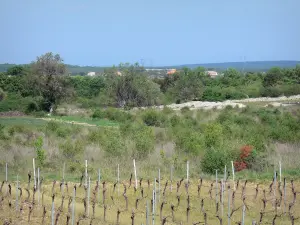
(70, 122)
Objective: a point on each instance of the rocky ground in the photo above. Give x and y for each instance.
(276, 102)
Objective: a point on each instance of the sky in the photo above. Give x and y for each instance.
(151, 32)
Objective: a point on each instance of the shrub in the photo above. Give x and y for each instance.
(271, 91)
(152, 117)
(190, 142)
(112, 142)
(185, 109)
(38, 114)
(52, 126)
(246, 158)
(15, 102)
(175, 120)
(99, 114)
(144, 139)
(63, 131)
(32, 107)
(214, 160)
(166, 110)
(16, 129)
(40, 152)
(71, 150)
(112, 114)
(213, 134)
(142, 136)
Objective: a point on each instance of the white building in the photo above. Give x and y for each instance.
(212, 74)
(91, 73)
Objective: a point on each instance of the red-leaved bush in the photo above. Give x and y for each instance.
(241, 163)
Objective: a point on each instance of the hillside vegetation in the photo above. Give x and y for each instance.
(254, 137)
(44, 85)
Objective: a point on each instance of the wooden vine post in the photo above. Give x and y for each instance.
(232, 166)
(135, 176)
(34, 178)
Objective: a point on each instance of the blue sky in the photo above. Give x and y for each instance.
(161, 32)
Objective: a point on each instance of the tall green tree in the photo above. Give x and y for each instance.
(129, 86)
(273, 76)
(50, 80)
(188, 86)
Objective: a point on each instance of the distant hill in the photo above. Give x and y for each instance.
(242, 66)
(246, 66)
(71, 68)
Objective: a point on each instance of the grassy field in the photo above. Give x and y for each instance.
(84, 120)
(31, 121)
(25, 121)
(207, 201)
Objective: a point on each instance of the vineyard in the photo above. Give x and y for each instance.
(162, 200)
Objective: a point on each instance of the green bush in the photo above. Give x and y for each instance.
(40, 152)
(112, 142)
(16, 129)
(15, 102)
(112, 114)
(185, 109)
(190, 142)
(63, 131)
(52, 126)
(214, 160)
(152, 117)
(175, 120)
(99, 114)
(32, 107)
(271, 91)
(144, 139)
(213, 134)
(141, 135)
(70, 149)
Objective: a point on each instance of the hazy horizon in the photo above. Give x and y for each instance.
(156, 33)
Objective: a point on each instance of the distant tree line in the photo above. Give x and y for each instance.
(45, 83)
